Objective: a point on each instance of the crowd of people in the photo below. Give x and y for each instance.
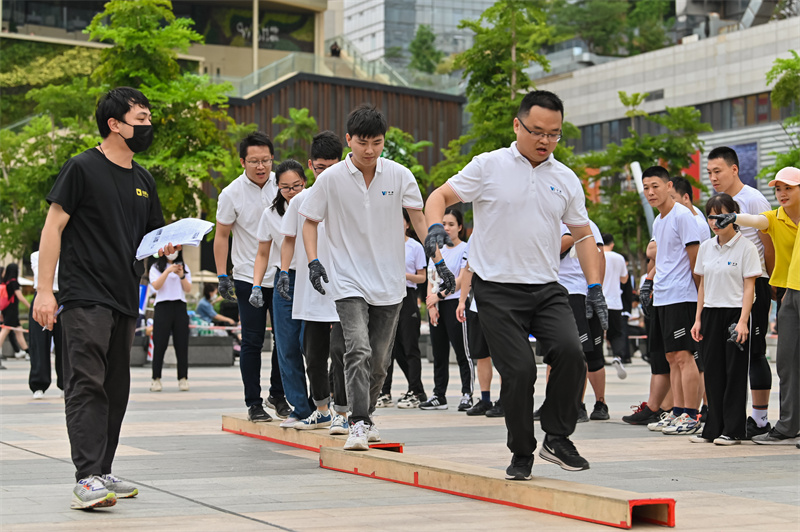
(337, 267)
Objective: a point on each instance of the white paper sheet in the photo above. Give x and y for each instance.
(186, 232)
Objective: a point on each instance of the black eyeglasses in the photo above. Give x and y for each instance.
(551, 137)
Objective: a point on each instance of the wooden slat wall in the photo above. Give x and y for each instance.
(426, 115)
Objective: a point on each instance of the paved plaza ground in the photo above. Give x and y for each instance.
(193, 476)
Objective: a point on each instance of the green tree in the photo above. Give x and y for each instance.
(400, 147)
(784, 76)
(424, 55)
(601, 24)
(648, 24)
(294, 140)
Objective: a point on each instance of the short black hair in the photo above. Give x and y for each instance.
(327, 146)
(726, 154)
(608, 239)
(656, 171)
(208, 289)
(256, 138)
(289, 165)
(545, 99)
(681, 186)
(115, 104)
(366, 122)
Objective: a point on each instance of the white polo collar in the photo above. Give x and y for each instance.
(515, 151)
(352, 167)
(729, 243)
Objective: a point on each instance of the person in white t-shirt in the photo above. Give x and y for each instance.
(406, 340)
(361, 201)
(728, 266)
(723, 173)
(445, 330)
(291, 180)
(239, 210)
(682, 193)
(616, 274)
(172, 280)
(519, 195)
(674, 300)
(322, 333)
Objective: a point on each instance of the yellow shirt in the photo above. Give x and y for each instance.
(784, 234)
(793, 280)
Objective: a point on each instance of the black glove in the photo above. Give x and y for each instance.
(316, 271)
(596, 304)
(734, 335)
(437, 238)
(282, 286)
(226, 289)
(256, 297)
(646, 296)
(447, 284)
(724, 220)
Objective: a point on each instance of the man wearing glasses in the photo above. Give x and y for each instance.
(239, 209)
(520, 194)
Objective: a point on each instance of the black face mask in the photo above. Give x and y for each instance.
(141, 139)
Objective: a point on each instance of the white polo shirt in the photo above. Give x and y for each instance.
(673, 282)
(241, 204)
(724, 269)
(615, 268)
(517, 209)
(269, 230)
(172, 289)
(752, 201)
(365, 228)
(307, 303)
(455, 258)
(415, 259)
(570, 274)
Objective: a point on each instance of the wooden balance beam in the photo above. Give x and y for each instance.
(607, 506)
(310, 440)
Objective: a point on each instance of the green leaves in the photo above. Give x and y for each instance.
(295, 138)
(785, 76)
(424, 55)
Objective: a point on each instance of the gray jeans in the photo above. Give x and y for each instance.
(788, 363)
(368, 337)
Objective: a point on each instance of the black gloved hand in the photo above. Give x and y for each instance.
(646, 297)
(596, 305)
(724, 220)
(226, 289)
(256, 297)
(437, 238)
(316, 271)
(282, 286)
(734, 336)
(447, 284)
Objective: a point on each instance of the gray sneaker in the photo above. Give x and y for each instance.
(123, 490)
(773, 437)
(91, 492)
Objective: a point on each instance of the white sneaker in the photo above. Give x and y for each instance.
(384, 401)
(38, 394)
(698, 438)
(667, 419)
(683, 425)
(289, 422)
(617, 363)
(20, 354)
(155, 385)
(409, 400)
(373, 434)
(183, 385)
(339, 425)
(357, 441)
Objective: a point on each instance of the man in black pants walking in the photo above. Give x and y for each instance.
(101, 206)
(519, 196)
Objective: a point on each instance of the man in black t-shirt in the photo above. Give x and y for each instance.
(101, 206)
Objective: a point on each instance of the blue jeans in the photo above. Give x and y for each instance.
(254, 325)
(289, 341)
(368, 337)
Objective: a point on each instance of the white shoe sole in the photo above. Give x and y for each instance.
(439, 407)
(339, 431)
(621, 373)
(311, 426)
(108, 500)
(359, 444)
(552, 458)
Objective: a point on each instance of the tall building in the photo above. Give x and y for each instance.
(382, 28)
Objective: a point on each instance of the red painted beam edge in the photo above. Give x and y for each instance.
(396, 447)
(416, 484)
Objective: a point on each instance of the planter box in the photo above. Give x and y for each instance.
(203, 351)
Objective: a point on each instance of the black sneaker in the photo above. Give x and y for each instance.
(480, 408)
(583, 417)
(751, 428)
(600, 412)
(496, 410)
(520, 468)
(642, 415)
(256, 414)
(560, 450)
(279, 405)
(537, 414)
(434, 403)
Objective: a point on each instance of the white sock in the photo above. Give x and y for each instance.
(761, 417)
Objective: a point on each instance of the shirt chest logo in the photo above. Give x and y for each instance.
(142, 193)
(387, 192)
(556, 190)
(732, 263)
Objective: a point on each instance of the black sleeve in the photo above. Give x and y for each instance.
(68, 189)
(11, 287)
(155, 218)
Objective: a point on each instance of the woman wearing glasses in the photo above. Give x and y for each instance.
(291, 180)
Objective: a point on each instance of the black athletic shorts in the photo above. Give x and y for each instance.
(590, 332)
(759, 317)
(672, 330)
